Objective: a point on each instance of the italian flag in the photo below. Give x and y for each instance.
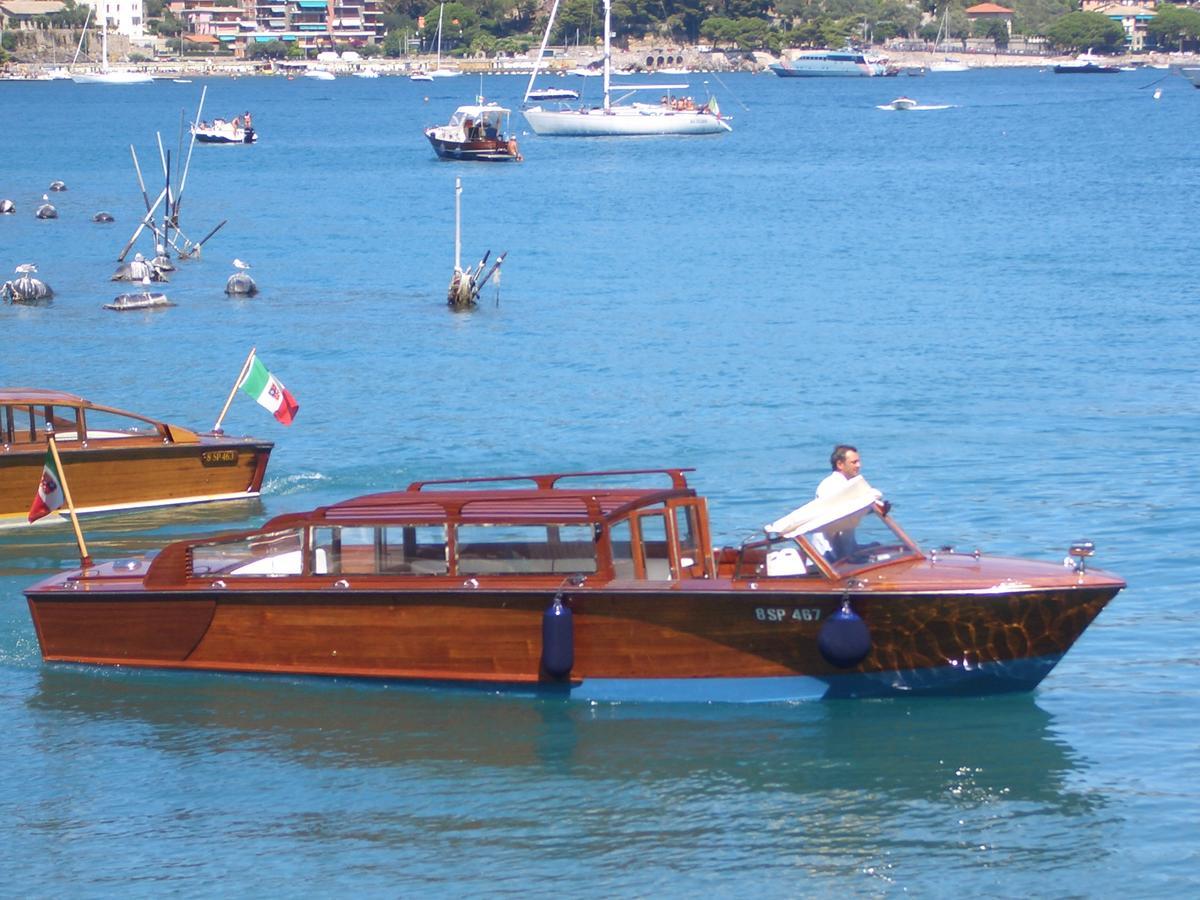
(268, 392)
(50, 492)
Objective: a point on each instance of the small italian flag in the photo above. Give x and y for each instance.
(267, 390)
(50, 491)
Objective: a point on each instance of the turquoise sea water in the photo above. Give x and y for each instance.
(996, 302)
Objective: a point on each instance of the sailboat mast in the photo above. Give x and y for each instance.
(82, 35)
(441, 9)
(537, 63)
(607, 49)
(103, 42)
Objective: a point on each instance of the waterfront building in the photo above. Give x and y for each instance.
(986, 11)
(27, 15)
(1132, 15)
(123, 16)
(312, 25)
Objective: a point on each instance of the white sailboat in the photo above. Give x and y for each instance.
(438, 71)
(617, 118)
(948, 63)
(106, 75)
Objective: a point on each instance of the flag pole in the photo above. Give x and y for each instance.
(237, 384)
(84, 559)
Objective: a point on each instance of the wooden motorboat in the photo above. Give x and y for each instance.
(478, 132)
(565, 583)
(116, 460)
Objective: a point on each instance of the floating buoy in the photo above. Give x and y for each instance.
(103, 217)
(558, 639)
(145, 300)
(7, 207)
(1158, 93)
(844, 639)
(240, 284)
(46, 210)
(25, 288)
(58, 186)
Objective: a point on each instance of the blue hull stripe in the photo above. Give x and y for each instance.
(952, 680)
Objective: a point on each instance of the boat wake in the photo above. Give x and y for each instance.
(292, 484)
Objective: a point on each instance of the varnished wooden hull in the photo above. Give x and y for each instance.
(713, 642)
(137, 474)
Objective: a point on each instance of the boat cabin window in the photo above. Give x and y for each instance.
(28, 424)
(269, 555)
(525, 549)
(687, 537)
(379, 550)
(104, 424)
(860, 539)
(620, 538)
(656, 549)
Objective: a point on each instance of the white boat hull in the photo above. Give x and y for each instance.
(113, 77)
(622, 121)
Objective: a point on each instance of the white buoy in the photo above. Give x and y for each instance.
(1158, 93)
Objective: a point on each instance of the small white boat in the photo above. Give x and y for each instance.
(949, 64)
(221, 132)
(420, 75)
(903, 103)
(320, 75)
(144, 300)
(541, 95)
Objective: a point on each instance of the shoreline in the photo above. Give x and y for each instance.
(688, 59)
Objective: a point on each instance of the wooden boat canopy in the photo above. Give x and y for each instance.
(28, 414)
(440, 528)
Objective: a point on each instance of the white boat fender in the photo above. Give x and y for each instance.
(844, 639)
(558, 638)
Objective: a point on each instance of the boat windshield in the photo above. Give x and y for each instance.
(859, 540)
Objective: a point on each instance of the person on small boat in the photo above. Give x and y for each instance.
(846, 464)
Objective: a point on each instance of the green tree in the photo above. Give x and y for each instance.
(1084, 30)
(1171, 26)
(268, 50)
(991, 28)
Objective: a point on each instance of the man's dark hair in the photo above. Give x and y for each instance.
(839, 454)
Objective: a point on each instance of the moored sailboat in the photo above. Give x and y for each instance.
(615, 118)
(107, 75)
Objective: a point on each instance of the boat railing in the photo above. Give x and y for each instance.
(549, 481)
